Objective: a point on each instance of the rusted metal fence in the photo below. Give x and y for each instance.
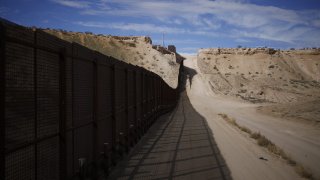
(68, 111)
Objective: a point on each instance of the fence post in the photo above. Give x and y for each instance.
(73, 61)
(135, 105)
(161, 95)
(94, 101)
(2, 98)
(139, 103)
(127, 122)
(35, 79)
(62, 123)
(148, 100)
(114, 123)
(154, 101)
(142, 102)
(155, 95)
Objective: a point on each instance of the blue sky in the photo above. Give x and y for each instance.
(188, 24)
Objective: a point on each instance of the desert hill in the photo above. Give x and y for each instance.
(286, 82)
(136, 50)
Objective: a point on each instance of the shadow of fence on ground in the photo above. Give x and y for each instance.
(178, 146)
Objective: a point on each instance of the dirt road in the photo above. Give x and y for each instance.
(300, 141)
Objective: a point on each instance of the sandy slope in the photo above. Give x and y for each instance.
(284, 81)
(136, 50)
(240, 152)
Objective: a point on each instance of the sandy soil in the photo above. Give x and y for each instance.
(297, 139)
(136, 50)
(287, 83)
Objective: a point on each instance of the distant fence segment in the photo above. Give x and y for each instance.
(67, 110)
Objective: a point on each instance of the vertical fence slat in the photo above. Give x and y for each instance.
(72, 110)
(94, 112)
(134, 103)
(114, 132)
(126, 104)
(2, 99)
(62, 115)
(35, 65)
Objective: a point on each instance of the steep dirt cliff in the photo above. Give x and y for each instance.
(136, 50)
(289, 81)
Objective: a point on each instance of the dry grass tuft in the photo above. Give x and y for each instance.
(303, 172)
(255, 135)
(245, 129)
(233, 122)
(131, 44)
(271, 147)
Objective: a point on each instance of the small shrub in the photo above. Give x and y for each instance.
(255, 135)
(224, 116)
(242, 91)
(132, 44)
(171, 63)
(112, 43)
(291, 162)
(245, 129)
(263, 141)
(303, 172)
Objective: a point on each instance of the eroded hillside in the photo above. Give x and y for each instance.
(136, 50)
(289, 81)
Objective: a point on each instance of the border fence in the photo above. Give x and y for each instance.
(68, 111)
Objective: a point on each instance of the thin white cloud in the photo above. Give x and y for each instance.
(73, 3)
(4, 10)
(188, 49)
(179, 42)
(149, 28)
(316, 23)
(187, 54)
(45, 21)
(133, 27)
(241, 40)
(227, 18)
